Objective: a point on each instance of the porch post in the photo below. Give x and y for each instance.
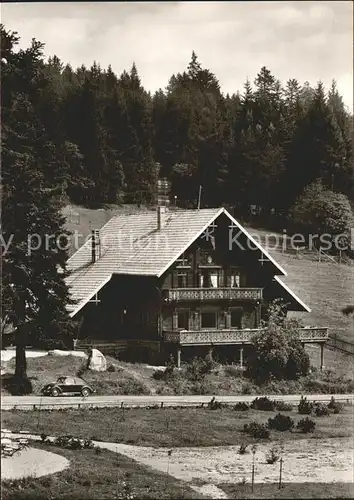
(178, 357)
(241, 356)
(322, 355)
(211, 352)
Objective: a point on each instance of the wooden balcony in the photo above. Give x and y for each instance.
(206, 294)
(234, 336)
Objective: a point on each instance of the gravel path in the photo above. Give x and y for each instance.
(32, 462)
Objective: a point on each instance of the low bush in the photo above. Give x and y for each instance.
(273, 455)
(111, 368)
(241, 406)
(306, 425)
(198, 368)
(263, 403)
(321, 410)
(305, 407)
(233, 371)
(214, 405)
(72, 443)
(281, 423)
(257, 430)
(242, 449)
(334, 406)
(159, 375)
(282, 406)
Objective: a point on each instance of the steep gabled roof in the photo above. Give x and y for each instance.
(132, 244)
(301, 306)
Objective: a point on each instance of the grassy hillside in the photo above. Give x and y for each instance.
(325, 287)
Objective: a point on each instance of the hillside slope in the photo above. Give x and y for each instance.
(325, 287)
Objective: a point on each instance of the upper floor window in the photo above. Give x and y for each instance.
(181, 280)
(210, 278)
(235, 279)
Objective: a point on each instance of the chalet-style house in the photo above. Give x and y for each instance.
(176, 282)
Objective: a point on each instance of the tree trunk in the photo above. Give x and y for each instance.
(21, 364)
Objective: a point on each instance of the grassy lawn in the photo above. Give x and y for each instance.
(137, 379)
(289, 490)
(324, 286)
(168, 427)
(97, 476)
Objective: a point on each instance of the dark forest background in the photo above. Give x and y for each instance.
(255, 151)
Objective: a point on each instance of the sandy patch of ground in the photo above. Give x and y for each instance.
(32, 462)
(306, 460)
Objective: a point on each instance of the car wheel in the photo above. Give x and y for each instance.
(85, 392)
(55, 392)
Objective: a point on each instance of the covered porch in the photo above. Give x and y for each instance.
(235, 337)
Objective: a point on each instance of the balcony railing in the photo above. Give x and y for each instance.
(233, 336)
(203, 294)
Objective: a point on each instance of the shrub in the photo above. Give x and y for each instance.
(306, 425)
(72, 443)
(159, 375)
(263, 403)
(214, 405)
(321, 410)
(282, 406)
(277, 353)
(198, 368)
(281, 423)
(233, 371)
(242, 449)
(257, 430)
(111, 368)
(241, 406)
(305, 407)
(335, 406)
(273, 455)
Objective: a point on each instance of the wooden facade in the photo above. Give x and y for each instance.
(213, 295)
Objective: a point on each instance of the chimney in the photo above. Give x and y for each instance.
(161, 216)
(94, 244)
(163, 201)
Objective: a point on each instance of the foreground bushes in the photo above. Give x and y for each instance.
(281, 423)
(263, 403)
(256, 430)
(319, 409)
(306, 425)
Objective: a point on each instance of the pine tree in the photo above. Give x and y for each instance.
(34, 291)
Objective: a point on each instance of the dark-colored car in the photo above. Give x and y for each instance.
(67, 385)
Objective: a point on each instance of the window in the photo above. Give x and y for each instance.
(208, 319)
(209, 278)
(182, 280)
(235, 279)
(183, 319)
(236, 317)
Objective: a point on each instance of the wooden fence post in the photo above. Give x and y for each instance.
(280, 472)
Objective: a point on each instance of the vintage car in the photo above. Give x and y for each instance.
(67, 385)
